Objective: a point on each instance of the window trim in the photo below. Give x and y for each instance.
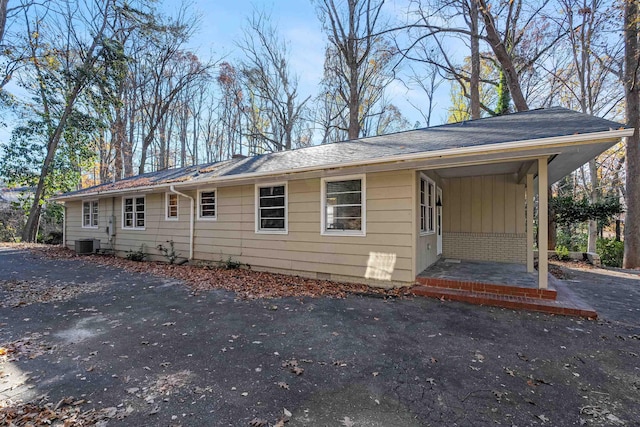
(166, 207)
(427, 180)
(90, 213)
(123, 225)
(215, 205)
(323, 206)
(258, 230)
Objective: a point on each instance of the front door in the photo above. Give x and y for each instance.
(439, 221)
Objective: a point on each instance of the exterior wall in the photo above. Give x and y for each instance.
(383, 257)
(484, 218)
(498, 247)
(426, 246)
(157, 230)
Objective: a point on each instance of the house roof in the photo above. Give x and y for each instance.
(534, 125)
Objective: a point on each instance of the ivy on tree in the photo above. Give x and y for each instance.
(570, 211)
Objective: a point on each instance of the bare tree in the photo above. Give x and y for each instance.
(513, 30)
(361, 56)
(270, 85)
(166, 71)
(230, 112)
(427, 82)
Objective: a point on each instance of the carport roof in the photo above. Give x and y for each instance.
(549, 126)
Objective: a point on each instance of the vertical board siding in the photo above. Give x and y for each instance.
(487, 204)
(302, 250)
(490, 221)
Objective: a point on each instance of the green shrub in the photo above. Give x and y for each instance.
(231, 264)
(610, 251)
(562, 252)
(575, 240)
(138, 255)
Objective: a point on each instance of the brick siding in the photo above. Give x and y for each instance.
(499, 247)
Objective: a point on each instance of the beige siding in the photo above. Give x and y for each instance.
(487, 204)
(483, 218)
(157, 229)
(303, 250)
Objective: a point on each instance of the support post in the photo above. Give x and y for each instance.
(543, 223)
(529, 223)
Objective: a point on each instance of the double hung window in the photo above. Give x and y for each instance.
(133, 212)
(271, 208)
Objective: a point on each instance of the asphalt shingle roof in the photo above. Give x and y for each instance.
(534, 124)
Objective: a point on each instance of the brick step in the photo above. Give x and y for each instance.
(505, 301)
(487, 288)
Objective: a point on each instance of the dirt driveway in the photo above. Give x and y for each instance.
(136, 350)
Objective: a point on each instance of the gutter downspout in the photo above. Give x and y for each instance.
(191, 215)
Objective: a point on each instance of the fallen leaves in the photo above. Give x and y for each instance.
(21, 293)
(67, 412)
(245, 283)
(28, 347)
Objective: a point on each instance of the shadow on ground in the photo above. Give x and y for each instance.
(170, 357)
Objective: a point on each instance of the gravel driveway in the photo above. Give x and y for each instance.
(145, 350)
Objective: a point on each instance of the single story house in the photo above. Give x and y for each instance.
(376, 210)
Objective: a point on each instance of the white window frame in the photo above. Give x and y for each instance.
(430, 205)
(167, 197)
(286, 208)
(215, 205)
(123, 225)
(91, 216)
(323, 206)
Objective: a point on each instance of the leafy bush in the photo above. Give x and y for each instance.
(611, 252)
(562, 252)
(574, 240)
(54, 238)
(11, 223)
(138, 255)
(231, 264)
(169, 252)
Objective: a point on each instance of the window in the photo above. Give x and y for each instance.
(427, 205)
(90, 214)
(171, 206)
(343, 206)
(207, 204)
(133, 212)
(271, 208)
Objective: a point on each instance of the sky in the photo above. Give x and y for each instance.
(221, 25)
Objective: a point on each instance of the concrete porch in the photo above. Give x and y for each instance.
(500, 285)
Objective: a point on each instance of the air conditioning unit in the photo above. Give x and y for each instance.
(87, 246)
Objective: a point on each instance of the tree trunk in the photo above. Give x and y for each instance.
(503, 57)
(30, 231)
(552, 232)
(354, 107)
(3, 17)
(474, 83)
(632, 95)
(593, 195)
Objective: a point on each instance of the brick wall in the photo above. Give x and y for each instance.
(500, 247)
